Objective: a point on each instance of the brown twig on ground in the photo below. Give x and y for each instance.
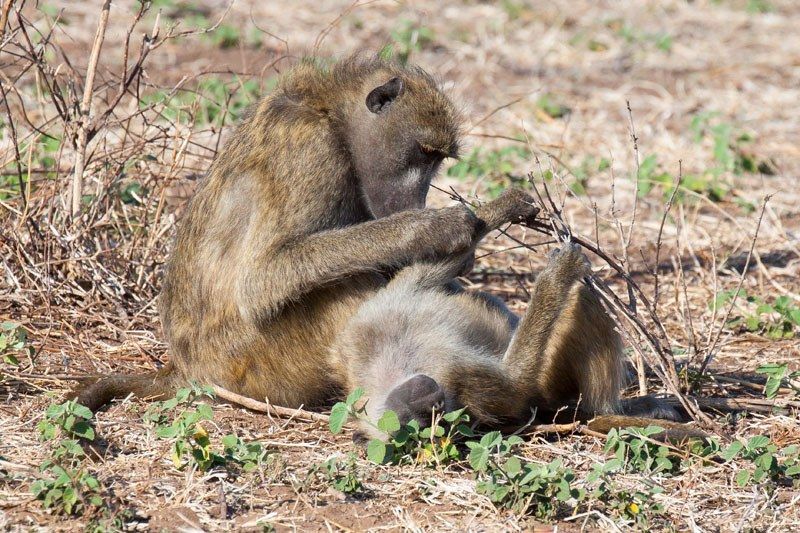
(263, 407)
(755, 405)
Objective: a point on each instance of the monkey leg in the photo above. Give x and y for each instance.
(565, 349)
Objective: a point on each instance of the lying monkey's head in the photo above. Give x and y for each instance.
(402, 128)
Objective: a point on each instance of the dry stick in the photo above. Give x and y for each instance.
(572, 427)
(635, 140)
(742, 404)
(667, 209)
(85, 109)
(263, 407)
(13, 130)
(713, 346)
(4, 18)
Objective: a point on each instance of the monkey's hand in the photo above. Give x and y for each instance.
(512, 206)
(449, 232)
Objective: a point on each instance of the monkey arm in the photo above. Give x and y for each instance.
(512, 206)
(287, 272)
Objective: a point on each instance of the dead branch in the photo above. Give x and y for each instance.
(274, 410)
(85, 111)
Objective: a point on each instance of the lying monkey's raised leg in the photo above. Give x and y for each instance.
(566, 348)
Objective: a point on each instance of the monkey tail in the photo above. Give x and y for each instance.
(156, 385)
(675, 432)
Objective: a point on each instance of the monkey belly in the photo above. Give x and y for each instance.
(286, 359)
(399, 333)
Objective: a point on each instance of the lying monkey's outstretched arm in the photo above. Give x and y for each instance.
(396, 240)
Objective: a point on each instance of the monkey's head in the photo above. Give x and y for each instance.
(401, 131)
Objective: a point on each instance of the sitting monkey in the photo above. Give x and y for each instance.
(279, 270)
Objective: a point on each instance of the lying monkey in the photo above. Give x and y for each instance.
(422, 343)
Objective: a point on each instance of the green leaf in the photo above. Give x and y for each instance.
(513, 440)
(500, 493)
(612, 465)
(772, 387)
(230, 441)
(205, 411)
(493, 438)
(338, 417)
(793, 470)
(759, 441)
(742, 478)
(377, 451)
(388, 422)
(84, 430)
(752, 323)
(731, 451)
(354, 396)
(166, 432)
(452, 416)
(513, 466)
(479, 458)
(465, 430)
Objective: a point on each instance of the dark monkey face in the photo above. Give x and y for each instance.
(404, 131)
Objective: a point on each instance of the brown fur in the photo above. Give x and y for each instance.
(318, 194)
(280, 244)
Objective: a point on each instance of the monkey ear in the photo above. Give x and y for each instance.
(380, 97)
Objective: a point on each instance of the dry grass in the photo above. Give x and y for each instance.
(86, 291)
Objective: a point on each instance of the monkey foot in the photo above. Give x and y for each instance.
(415, 398)
(650, 407)
(571, 258)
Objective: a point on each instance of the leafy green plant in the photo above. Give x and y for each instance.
(661, 40)
(495, 166)
(634, 450)
(180, 418)
(191, 445)
(249, 455)
(225, 36)
(638, 506)
(588, 168)
(13, 342)
(408, 38)
(728, 145)
(409, 442)
(758, 6)
(778, 375)
(651, 176)
(520, 486)
(341, 473)
(779, 319)
(770, 462)
(212, 101)
(65, 485)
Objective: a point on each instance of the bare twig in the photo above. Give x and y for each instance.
(85, 111)
(710, 350)
(262, 407)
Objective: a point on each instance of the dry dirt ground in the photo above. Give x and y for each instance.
(713, 89)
